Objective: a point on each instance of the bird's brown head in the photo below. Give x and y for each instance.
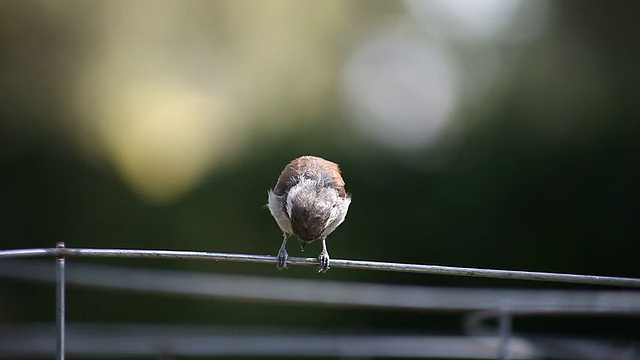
(309, 206)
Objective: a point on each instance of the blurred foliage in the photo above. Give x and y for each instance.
(538, 180)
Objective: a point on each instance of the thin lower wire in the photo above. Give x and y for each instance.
(335, 263)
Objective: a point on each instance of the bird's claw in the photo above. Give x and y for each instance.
(323, 262)
(281, 263)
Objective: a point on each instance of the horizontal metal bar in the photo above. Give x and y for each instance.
(329, 293)
(127, 341)
(22, 253)
(335, 263)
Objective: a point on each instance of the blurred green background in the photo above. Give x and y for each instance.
(498, 134)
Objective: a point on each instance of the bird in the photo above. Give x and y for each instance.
(309, 201)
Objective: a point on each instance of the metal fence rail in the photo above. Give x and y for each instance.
(176, 341)
(497, 303)
(328, 293)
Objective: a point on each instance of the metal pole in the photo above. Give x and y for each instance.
(505, 335)
(60, 304)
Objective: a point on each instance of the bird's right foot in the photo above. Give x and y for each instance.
(281, 264)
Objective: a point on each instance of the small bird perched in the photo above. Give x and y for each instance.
(308, 201)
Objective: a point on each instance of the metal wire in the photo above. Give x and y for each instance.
(335, 263)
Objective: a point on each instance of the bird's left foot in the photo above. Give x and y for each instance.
(323, 262)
